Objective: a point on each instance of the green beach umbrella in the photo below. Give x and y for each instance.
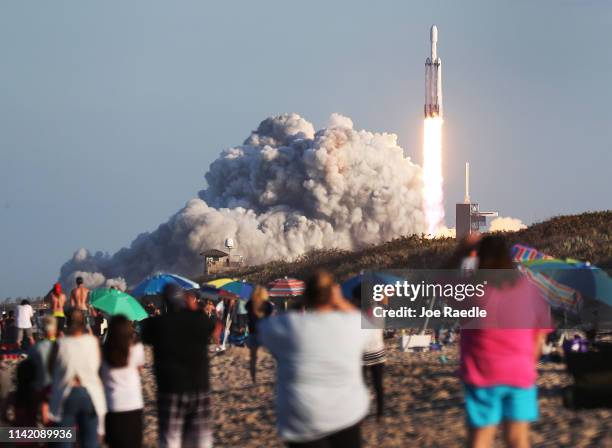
(113, 302)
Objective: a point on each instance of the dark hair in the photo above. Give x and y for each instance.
(494, 253)
(120, 336)
(318, 289)
(79, 280)
(356, 296)
(173, 297)
(25, 302)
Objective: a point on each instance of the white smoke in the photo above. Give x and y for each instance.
(506, 224)
(445, 232)
(95, 280)
(285, 191)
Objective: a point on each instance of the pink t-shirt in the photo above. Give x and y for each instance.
(505, 356)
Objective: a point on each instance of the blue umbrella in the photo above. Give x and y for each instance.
(155, 284)
(378, 277)
(241, 289)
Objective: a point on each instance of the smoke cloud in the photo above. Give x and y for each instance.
(506, 224)
(445, 232)
(285, 191)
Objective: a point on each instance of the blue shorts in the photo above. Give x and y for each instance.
(488, 406)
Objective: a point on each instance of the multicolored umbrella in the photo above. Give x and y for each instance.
(557, 295)
(286, 287)
(155, 284)
(220, 282)
(590, 281)
(113, 302)
(210, 292)
(241, 289)
(521, 253)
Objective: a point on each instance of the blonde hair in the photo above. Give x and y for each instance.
(258, 298)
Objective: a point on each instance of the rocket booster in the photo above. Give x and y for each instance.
(433, 79)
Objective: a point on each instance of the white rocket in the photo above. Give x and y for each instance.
(433, 79)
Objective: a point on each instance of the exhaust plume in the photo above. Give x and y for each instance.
(506, 224)
(285, 191)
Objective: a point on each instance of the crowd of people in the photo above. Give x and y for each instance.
(324, 360)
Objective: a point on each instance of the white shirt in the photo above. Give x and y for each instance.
(122, 385)
(375, 342)
(24, 316)
(319, 385)
(77, 356)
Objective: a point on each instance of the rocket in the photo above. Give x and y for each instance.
(433, 79)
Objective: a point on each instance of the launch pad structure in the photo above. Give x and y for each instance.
(468, 217)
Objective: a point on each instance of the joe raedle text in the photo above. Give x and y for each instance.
(447, 312)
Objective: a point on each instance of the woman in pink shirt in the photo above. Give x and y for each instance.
(498, 365)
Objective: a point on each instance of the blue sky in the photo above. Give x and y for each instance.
(111, 112)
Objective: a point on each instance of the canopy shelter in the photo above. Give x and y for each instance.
(214, 253)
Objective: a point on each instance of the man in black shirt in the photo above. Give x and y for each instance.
(180, 348)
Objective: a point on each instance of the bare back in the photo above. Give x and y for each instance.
(57, 303)
(78, 297)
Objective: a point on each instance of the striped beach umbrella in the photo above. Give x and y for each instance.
(286, 287)
(522, 253)
(591, 281)
(559, 296)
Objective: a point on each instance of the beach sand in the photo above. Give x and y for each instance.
(424, 405)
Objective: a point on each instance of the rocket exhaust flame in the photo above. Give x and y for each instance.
(432, 174)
